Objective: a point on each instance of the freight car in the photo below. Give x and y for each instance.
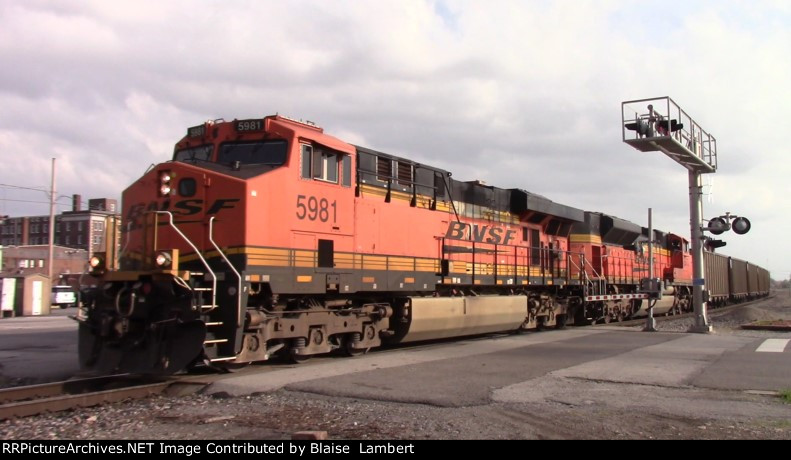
(731, 280)
(267, 237)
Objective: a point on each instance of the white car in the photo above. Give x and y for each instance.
(64, 296)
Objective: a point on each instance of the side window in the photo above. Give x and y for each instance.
(307, 154)
(346, 171)
(320, 164)
(330, 170)
(325, 166)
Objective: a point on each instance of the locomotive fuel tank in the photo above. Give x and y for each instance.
(442, 317)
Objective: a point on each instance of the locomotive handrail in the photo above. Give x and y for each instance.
(126, 243)
(238, 276)
(547, 262)
(197, 252)
(584, 273)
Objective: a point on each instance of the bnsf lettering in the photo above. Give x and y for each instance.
(221, 204)
(480, 233)
(180, 208)
(186, 207)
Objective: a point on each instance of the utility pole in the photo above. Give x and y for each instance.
(50, 257)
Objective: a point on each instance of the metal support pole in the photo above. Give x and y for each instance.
(702, 324)
(650, 322)
(50, 256)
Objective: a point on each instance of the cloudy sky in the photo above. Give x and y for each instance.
(516, 93)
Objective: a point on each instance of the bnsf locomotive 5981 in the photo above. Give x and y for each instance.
(268, 237)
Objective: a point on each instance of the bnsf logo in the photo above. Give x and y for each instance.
(480, 233)
(179, 208)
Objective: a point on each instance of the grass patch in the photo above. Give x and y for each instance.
(785, 395)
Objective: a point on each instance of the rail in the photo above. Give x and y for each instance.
(60, 396)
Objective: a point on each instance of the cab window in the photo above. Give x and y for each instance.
(272, 153)
(193, 154)
(320, 163)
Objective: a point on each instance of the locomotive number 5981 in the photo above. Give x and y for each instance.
(312, 208)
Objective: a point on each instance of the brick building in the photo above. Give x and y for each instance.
(25, 260)
(78, 229)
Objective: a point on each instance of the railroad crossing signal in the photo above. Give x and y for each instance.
(719, 225)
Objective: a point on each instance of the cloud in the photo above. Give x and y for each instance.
(520, 94)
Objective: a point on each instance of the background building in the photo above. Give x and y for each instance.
(78, 229)
(24, 241)
(25, 260)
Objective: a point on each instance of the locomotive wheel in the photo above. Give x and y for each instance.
(348, 345)
(296, 358)
(233, 367)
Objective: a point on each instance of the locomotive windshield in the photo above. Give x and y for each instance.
(272, 153)
(202, 153)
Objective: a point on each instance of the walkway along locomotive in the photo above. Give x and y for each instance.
(268, 237)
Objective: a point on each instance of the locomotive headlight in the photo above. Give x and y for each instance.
(167, 259)
(165, 187)
(96, 263)
(163, 259)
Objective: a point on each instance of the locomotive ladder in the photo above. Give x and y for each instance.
(205, 294)
(240, 313)
(595, 285)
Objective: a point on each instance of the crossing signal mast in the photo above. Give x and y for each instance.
(659, 124)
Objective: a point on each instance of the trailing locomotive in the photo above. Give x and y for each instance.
(269, 237)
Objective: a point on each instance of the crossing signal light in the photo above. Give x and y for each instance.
(718, 226)
(741, 225)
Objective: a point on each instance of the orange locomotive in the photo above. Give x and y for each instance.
(268, 237)
(616, 255)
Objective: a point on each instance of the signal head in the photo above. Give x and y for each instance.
(741, 225)
(713, 244)
(718, 225)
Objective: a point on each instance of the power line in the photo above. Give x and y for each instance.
(29, 201)
(25, 188)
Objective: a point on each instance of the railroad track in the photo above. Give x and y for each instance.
(710, 312)
(70, 394)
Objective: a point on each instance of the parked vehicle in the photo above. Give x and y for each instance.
(64, 296)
